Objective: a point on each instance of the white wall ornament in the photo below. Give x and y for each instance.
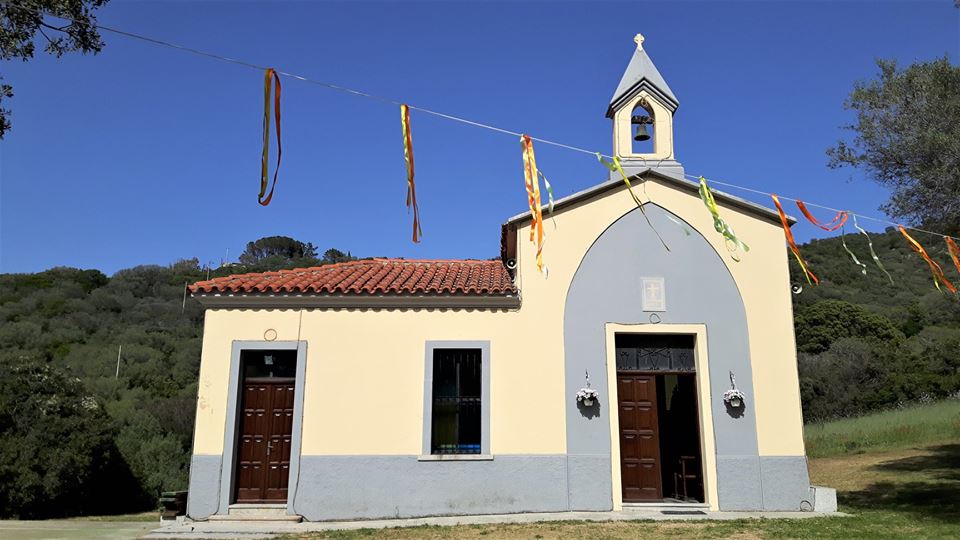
(734, 397)
(587, 396)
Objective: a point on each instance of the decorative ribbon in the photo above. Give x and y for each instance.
(532, 182)
(615, 167)
(721, 226)
(793, 245)
(938, 276)
(834, 224)
(872, 252)
(954, 251)
(843, 241)
(411, 186)
(546, 184)
(265, 159)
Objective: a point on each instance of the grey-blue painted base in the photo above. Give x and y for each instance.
(370, 487)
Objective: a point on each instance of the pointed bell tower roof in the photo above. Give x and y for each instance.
(641, 74)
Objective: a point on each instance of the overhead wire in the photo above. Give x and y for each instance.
(388, 100)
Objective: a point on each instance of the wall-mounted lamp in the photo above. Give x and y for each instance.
(733, 397)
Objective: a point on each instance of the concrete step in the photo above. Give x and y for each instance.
(256, 518)
(664, 505)
(257, 509)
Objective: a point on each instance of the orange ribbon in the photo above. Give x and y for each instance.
(938, 275)
(532, 182)
(834, 224)
(793, 245)
(954, 251)
(265, 159)
(411, 186)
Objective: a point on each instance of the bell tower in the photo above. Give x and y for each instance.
(642, 111)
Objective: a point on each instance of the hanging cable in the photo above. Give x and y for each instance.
(438, 114)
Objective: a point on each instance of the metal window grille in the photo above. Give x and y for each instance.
(457, 403)
(655, 352)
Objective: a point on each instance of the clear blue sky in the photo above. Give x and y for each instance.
(143, 154)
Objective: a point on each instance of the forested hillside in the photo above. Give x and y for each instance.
(865, 343)
(77, 436)
(77, 433)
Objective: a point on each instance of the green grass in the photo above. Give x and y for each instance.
(889, 430)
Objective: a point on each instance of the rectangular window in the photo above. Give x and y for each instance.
(457, 403)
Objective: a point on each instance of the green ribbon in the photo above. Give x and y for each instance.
(718, 223)
(843, 241)
(872, 252)
(546, 184)
(615, 167)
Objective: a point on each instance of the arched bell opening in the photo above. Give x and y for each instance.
(642, 126)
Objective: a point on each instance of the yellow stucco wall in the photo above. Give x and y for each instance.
(365, 367)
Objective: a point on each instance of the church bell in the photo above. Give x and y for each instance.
(641, 123)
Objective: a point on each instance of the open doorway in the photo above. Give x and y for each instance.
(660, 456)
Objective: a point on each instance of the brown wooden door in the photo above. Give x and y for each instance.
(639, 437)
(266, 425)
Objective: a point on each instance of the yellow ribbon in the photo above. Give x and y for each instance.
(532, 183)
(265, 159)
(721, 226)
(408, 158)
(615, 167)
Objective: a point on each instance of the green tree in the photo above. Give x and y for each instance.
(820, 325)
(21, 20)
(333, 256)
(282, 247)
(57, 455)
(907, 137)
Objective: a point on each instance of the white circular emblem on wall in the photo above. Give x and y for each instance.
(270, 335)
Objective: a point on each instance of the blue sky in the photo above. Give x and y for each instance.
(143, 154)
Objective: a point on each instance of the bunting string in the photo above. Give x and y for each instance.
(411, 185)
(730, 238)
(811, 278)
(269, 74)
(938, 275)
(264, 198)
(615, 167)
(532, 183)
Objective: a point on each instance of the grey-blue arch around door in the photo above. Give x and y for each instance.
(699, 290)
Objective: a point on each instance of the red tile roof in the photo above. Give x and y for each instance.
(375, 277)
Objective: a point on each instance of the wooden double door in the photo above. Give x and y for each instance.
(660, 447)
(266, 426)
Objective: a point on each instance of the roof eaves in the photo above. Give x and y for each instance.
(507, 300)
(749, 207)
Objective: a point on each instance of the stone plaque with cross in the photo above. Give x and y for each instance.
(654, 294)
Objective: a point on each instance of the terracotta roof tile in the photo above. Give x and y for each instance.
(374, 277)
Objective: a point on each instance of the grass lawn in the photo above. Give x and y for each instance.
(897, 473)
(890, 430)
